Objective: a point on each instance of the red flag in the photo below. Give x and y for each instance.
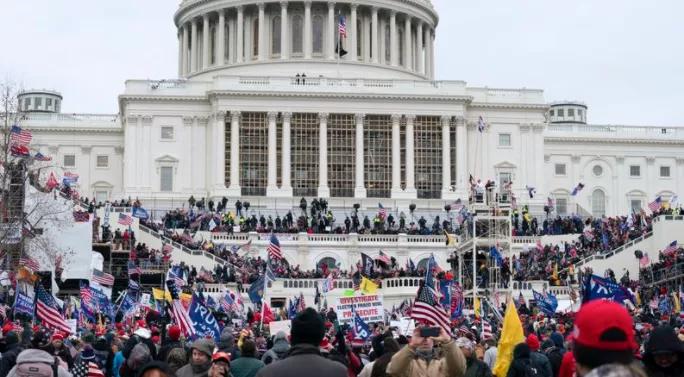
(51, 182)
(268, 314)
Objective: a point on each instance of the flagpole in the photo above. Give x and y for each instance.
(263, 297)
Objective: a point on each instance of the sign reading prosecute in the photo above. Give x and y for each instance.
(368, 307)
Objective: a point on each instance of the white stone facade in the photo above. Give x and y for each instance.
(372, 125)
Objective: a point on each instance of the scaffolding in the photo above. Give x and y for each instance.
(13, 198)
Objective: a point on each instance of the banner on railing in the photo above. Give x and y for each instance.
(368, 307)
(281, 237)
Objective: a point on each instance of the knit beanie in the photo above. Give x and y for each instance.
(533, 342)
(174, 333)
(307, 328)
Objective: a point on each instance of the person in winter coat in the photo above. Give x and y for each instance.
(433, 357)
(200, 359)
(227, 343)
(173, 336)
(60, 350)
(554, 354)
(474, 367)
(279, 350)
(139, 356)
(664, 356)
(304, 358)
(539, 359)
(389, 348)
(522, 365)
(12, 350)
(35, 357)
(247, 365)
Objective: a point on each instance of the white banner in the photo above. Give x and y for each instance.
(284, 326)
(368, 307)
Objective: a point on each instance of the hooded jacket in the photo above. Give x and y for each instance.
(227, 343)
(523, 359)
(663, 339)
(449, 362)
(279, 349)
(554, 354)
(37, 356)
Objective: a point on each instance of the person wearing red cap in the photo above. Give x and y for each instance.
(604, 341)
(60, 350)
(172, 341)
(538, 359)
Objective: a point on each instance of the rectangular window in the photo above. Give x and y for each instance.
(560, 169)
(57, 103)
(166, 179)
(571, 112)
(504, 140)
(551, 112)
(579, 112)
(48, 103)
(504, 178)
(635, 205)
(101, 196)
(102, 161)
(39, 102)
(561, 113)
(665, 172)
(167, 133)
(635, 171)
(27, 103)
(561, 206)
(69, 161)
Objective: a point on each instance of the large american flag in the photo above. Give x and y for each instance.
(20, 136)
(48, 311)
(102, 278)
(124, 219)
(343, 27)
(29, 263)
(86, 296)
(180, 314)
(486, 331)
(382, 257)
(656, 204)
(427, 308)
(274, 251)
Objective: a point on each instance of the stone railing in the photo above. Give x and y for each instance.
(668, 218)
(610, 253)
(580, 130)
(106, 121)
(329, 238)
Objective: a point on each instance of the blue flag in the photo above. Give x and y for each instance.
(596, 287)
(546, 302)
(360, 328)
(140, 213)
(664, 305)
(211, 303)
(202, 320)
(292, 309)
(495, 254)
(256, 290)
(128, 304)
(445, 290)
(23, 303)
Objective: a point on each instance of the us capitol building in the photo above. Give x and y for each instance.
(265, 108)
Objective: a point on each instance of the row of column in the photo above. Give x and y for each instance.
(323, 189)
(194, 55)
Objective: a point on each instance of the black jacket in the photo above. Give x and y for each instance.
(524, 362)
(9, 358)
(555, 356)
(663, 339)
(476, 368)
(166, 348)
(303, 361)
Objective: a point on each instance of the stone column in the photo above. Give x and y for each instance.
(419, 48)
(232, 30)
(396, 154)
(145, 136)
(360, 186)
(221, 42)
(407, 42)
(240, 34)
(261, 38)
(354, 33)
(410, 156)
(446, 156)
(332, 31)
(382, 47)
(286, 186)
(323, 189)
(131, 154)
(235, 153)
(426, 38)
(307, 29)
(272, 156)
(180, 51)
(219, 152)
(186, 41)
(374, 35)
(284, 32)
(205, 42)
(432, 55)
(366, 49)
(394, 60)
(193, 47)
(461, 156)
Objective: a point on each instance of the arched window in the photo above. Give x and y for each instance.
(598, 203)
(388, 45)
(331, 263)
(275, 35)
(297, 35)
(400, 40)
(317, 28)
(255, 37)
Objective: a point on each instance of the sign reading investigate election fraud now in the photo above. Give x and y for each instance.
(368, 307)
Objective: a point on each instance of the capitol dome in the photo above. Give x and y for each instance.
(385, 39)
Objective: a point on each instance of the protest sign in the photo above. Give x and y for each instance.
(368, 307)
(284, 326)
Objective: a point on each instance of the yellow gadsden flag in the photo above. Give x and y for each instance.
(367, 286)
(511, 335)
(161, 295)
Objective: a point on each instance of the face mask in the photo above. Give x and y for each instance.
(199, 368)
(424, 353)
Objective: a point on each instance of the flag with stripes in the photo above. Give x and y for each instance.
(382, 257)
(481, 125)
(29, 263)
(41, 157)
(180, 314)
(133, 269)
(86, 295)
(102, 278)
(175, 273)
(48, 311)
(486, 331)
(342, 27)
(125, 220)
(427, 309)
(19, 150)
(20, 136)
(382, 212)
(274, 251)
(656, 204)
(671, 248)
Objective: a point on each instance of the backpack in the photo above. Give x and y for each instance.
(37, 369)
(532, 370)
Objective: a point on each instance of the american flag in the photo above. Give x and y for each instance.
(343, 27)
(227, 303)
(671, 248)
(124, 219)
(102, 278)
(301, 304)
(133, 269)
(521, 299)
(382, 212)
(19, 150)
(382, 257)
(176, 274)
(86, 369)
(20, 136)
(48, 311)
(180, 315)
(274, 251)
(428, 309)
(486, 331)
(481, 125)
(41, 157)
(86, 296)
(29, 263)
(656, 204)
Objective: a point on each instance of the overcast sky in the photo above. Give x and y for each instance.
(624, 58)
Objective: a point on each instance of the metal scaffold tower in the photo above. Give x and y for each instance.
(486, 246)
